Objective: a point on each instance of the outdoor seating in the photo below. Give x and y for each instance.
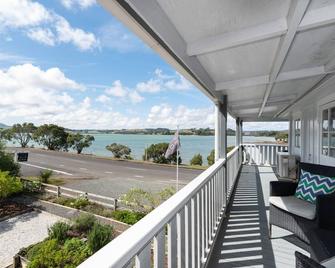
(312, 223)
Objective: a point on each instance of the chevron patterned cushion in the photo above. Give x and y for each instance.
(311, 185)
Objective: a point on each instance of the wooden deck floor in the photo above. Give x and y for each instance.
(243, 239)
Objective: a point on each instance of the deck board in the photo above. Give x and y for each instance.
(243, 239)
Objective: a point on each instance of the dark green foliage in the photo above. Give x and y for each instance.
(100, 236)
(45, 175)
(127, 216)
(50, 253)
(20, 133)
(78, 141)
(84, 223)
(119, 151)
(282, 136)
(7, 162)
(9, 185)
(196, 160)
(156, 153)
(211, 158)
(51, 136)
(58, 231)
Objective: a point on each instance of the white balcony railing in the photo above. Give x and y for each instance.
(181, 231)
(262, 154)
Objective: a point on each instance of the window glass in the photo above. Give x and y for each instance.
(297, 127)
(332, 145)
(325, 143)
(332, 119)
(325, 120)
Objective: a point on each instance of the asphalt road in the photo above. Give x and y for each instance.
(104, 176)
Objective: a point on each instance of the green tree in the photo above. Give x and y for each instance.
(119, 151)
(196, 160)
(21, 133)
(51, 136)
(78, 141)
(156, 153)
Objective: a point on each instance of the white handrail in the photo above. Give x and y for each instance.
(205, 195)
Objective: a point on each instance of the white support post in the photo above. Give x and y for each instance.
(221, 128)
(237, 133)
(290, 136)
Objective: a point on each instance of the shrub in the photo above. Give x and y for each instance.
(99, 236)
(58, 231)
(45, 176)
(126, 216)
(84, 222)
(211, 158)
(32, 186)
(9, 185)
(119, 150)
(7, 162)
(80, 202)
(196, 160)
(50, 254)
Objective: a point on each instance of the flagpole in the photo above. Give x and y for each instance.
(177, 181)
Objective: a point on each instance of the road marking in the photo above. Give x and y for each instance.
(54, 170)
(108, 172)
(61, 165)
(82, 168)
(138, 176)
(141, 169)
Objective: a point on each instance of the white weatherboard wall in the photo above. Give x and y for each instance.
(309, 111)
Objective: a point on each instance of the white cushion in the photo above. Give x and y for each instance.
(329, 263)
(294, 205)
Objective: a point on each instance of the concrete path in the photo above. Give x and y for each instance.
(22, 231)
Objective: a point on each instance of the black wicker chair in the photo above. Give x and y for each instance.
(302, 261)
(304, 228)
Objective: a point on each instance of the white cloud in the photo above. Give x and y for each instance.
(23, 13)
(163, 82)
(164, 115)
(116, 37)
(31, 94)
(119, 91)
(135, 97)
(151, 86)
(103, 99)
(82, 4)
(43, 25)
(13, 58)
(41, 35)
(81, 39)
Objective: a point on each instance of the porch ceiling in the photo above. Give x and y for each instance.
(264, 54)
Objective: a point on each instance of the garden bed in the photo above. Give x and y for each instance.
(10, 209)
(67, 244)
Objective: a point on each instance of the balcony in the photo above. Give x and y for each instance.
(218, 219)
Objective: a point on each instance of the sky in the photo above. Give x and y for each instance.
(71, 63)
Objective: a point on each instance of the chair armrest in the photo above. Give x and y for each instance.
(282, 188)
(325, 211)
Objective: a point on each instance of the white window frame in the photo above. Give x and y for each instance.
(328, 107)
(295, 120)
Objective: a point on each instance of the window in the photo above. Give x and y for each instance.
(297, 129)
(328, 132)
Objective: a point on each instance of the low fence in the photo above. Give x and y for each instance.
(262, 154)
(72, 193)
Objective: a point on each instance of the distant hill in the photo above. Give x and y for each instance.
(4, 126)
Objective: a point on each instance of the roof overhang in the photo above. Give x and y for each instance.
(264, 55)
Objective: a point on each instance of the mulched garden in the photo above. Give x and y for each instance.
(10, 209)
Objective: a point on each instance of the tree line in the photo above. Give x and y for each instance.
(51, 136)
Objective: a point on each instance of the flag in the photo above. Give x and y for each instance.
(173, 146)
